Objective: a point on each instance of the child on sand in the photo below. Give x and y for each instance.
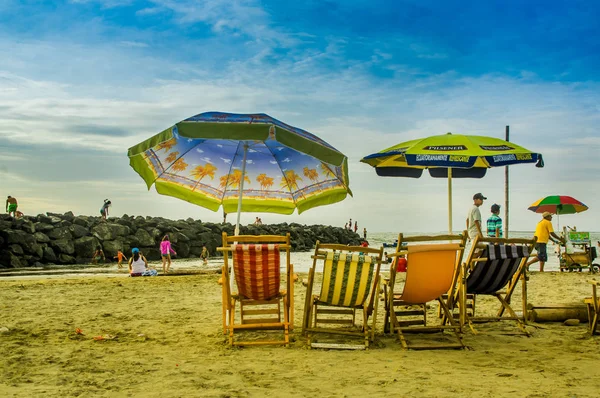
(165, 253)
(120, 256)
(204, 255)
(98, 255)
(138, 265)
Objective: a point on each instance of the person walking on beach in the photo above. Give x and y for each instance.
(138, 265)
(120, 257)
(104, 209)
(165, 253)
(11, 206)
(204, 255)
(544, 232)
(474, 217)
(494, 223)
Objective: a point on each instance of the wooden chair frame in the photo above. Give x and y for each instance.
(465, 301)
(318, 313)
(397, 308)
(593, 308)
(257, 314)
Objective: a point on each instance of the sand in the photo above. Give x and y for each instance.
(163, 338)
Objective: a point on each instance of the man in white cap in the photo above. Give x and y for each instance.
(474, 217)
(544, 232)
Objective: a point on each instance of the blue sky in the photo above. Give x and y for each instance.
(81, 81)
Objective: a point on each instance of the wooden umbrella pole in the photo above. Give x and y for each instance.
(506, 192)
(450, 200)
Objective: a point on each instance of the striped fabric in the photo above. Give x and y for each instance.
(490, 276)
(347, 279)
(257, 271)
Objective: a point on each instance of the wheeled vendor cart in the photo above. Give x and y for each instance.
(579, 254)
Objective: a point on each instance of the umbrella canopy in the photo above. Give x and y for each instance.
(558, 204)
(449, 156)
(245, 163)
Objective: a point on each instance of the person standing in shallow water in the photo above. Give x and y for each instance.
(165, 253)
(365, 233)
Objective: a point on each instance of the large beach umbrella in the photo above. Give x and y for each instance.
(243, 162)
(449, 156)
(558, 204)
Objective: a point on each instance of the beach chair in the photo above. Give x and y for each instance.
(349, 284)
(259, 303)
(493, 267)
(432, 271)
(593, 307)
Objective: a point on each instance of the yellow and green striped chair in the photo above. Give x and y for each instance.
(349, 277)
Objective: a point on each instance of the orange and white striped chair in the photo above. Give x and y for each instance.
(263, 305)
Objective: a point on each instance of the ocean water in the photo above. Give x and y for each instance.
(302, 260)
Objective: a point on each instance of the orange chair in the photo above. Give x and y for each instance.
(432, 271)
(262, 303)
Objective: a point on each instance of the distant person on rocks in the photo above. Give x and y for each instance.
(98, 256)
(350, 225)
(346, 226)
(364, 233)
(104, 209)
(165, 253)
(18, 214)
(256, 222)
(138, 265)
(494, 223)
(355, 226)
(119, 258)
(204, 255)
(11, 206)
(224, 217)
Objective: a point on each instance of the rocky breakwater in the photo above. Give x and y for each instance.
(62, 239)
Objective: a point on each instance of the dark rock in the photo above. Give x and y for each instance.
(82, 221)
(66, 259)
(49, 255)
(109, 231)
(60, 233)
(43, 219)
(41, 237)
(144, 238)
(15, 249)
(78, 231)
(9, 260)
(69, 216)
(26, 226)
(86, 246)
(64, 246)
(111, 247)
(151, 253)
(21, 238)
(43, 227)
(183, 250)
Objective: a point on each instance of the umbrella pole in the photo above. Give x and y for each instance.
(239, 209)
(450, 200)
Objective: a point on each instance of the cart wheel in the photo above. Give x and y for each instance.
(595, 268)
(562, 269)
(575, 266)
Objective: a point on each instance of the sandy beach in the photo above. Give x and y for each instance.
(162, 336)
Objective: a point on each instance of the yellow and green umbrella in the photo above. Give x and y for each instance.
(449, 156)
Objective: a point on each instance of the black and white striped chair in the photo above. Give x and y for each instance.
(493, 267)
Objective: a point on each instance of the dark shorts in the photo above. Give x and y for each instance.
(165, 254)
(542, 254)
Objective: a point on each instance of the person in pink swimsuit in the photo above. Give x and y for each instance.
(165, 253)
